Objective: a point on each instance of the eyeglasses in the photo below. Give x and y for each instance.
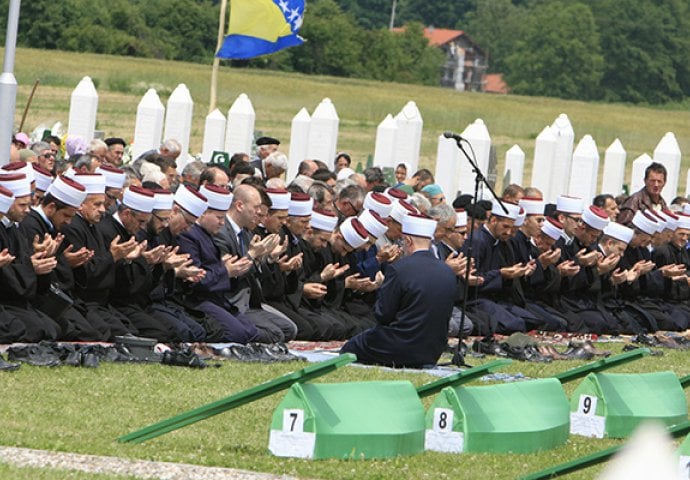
(163, 220)
(188, 221)
(48, 155)
(577, 220)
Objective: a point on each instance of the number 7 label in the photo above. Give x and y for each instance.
(293, 420)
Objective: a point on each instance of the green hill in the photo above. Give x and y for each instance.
(361, 105)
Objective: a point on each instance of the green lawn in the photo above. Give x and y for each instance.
(361, 105)
(84, 411)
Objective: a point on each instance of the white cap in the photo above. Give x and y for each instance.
(552, 228)
(139, 199)
(686, 208)
(345, 173)
(17, 183)
(42, 177)
(6, 199)
(683, 221)
(68, 191)
(20, 167)
(114, 177)
(280, 198)
(379, 203)
(190, 200)
(163, 199)
(532, 205)
(595, 217)
(666, 221)
(94, 182)
(354, 232)
(419, 225)
(646, 223)
(513, 210)
(401, 209)
(520, 220)
(373, 222)
(301, 205)
(322, 220)
(395, 194)
(218, 198)
(460, 218)
(566, 204)
(621, 232)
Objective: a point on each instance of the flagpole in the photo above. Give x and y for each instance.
(216, 60)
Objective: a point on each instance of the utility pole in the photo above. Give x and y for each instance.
(392, 23)
(8, 84)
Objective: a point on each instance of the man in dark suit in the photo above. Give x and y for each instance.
(413, 307)
(59, 205)
(234, 239)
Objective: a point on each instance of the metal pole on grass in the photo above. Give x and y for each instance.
(216, 60)
(8, 84)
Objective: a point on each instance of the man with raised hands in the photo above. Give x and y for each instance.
(19, 279)
(134, 274)
(57, 209)
(413, 306)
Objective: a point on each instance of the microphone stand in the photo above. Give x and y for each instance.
(479, 178)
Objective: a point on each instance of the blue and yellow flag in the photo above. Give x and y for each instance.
(259, 27)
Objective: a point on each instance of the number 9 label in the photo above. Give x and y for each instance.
(588, 405)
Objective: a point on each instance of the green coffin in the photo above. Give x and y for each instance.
(348, 420)
(518, 417)
(613, 404)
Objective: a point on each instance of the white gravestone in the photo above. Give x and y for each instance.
(409, 136)
(82, 110)
(299, 140)
(214, 134)
(560, 172)
(544, 153)
(148, 128)
(178, 121)
(515, 164)
(239, 131)
(386, 137)
(447, 161)
(585, 169)
(614, 169)
(323, 133)
(667, 153)
(640, 164)
(477, 136)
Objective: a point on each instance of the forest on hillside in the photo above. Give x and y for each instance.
(634, 51)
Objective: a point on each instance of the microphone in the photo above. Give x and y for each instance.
(454, 136)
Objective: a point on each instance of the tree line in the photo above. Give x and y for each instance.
(612, 50)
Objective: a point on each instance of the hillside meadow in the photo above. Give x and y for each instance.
(361, 105)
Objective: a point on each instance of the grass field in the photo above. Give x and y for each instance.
(84, 411)
(361, 105)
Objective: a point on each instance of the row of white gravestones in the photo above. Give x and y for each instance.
(453, 171)
(234, 134)
(399, 139)
(313, 137)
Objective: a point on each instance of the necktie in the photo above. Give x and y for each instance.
(240, 243)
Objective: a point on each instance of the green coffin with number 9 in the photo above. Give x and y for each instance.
(613, 404)
(518, 417)
(348, 420)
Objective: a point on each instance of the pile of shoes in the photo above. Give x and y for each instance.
(670, 340)
(525, 348)
(6, 366)
(257, 352)
(52, 354)
(184, 356)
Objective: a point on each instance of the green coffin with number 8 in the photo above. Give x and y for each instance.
(613, 404)
(518, 417)
(348, 420)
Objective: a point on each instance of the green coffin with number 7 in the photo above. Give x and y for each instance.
(518, 417)
(356, 420)
(613, 404)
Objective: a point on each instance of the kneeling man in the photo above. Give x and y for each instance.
(413, 306)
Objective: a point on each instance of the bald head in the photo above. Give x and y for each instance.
(246, 206)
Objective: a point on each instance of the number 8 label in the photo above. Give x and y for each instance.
(588, 405)
(443, 420)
